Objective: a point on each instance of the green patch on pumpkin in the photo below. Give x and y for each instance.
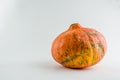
(101, 48)
(92, 33)
(86, 61)
(68, 59)
(80, 62)
(67, 52)
(82, 52)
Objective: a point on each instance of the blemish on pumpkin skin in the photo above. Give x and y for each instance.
(82, 52)
(93, 45)
(87, 48)
(67, 52)
(80, 62)
(86, 61)
(61, 56)
(101, 48)
(82, 45)
(92, 33)
(68, 59)
(75, 36)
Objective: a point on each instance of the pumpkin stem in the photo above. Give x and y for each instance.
(75, 26)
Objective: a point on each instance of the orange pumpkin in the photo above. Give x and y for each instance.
(79, 47)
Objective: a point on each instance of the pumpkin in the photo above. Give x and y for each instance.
(79, 47)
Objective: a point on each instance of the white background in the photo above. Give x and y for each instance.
(28, 28)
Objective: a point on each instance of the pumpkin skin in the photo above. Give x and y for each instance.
(79, 47)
